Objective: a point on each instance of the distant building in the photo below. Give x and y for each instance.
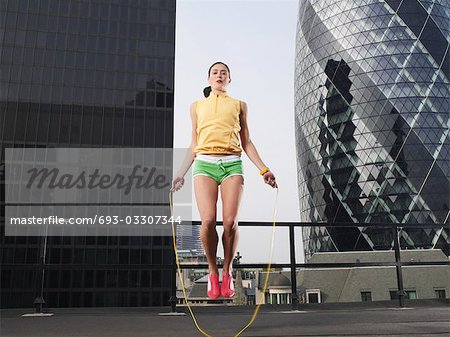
(86, 74)
(278, 289)
(373, 283)
(371, 122)
(190, 275)
(327, 285)
(188, 237)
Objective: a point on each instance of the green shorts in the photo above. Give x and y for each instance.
(218, 168)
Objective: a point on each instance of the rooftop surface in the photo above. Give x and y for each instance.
(383, 319)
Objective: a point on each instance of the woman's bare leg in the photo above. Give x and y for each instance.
(206, 191)
(231, 191)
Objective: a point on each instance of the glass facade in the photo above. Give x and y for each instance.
(372, 107)
(86, 73)
(189, 238)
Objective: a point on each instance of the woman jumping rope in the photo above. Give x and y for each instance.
(219, 134)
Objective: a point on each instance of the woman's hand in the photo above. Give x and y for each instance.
(269, 179)
(177, 183)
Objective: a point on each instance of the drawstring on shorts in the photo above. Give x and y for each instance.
(220, 164)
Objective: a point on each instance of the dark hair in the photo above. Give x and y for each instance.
(207, 90)
(209, 70)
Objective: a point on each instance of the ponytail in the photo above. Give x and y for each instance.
(207, 91)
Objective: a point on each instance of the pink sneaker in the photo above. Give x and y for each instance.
(227, 289)
(213, 286)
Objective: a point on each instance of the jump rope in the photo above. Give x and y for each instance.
(256, 311)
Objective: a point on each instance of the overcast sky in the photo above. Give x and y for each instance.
(257, 41)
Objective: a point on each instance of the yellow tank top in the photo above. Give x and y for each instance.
(218, 125)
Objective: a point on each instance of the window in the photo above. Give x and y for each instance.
(274, 299)
(366, 296)
(411, 294)
(393, 294)
(284, 299)
(313, 296)
(277, 298)
(440, 293)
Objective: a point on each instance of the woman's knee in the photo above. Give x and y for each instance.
(230, 224)
(209, 223)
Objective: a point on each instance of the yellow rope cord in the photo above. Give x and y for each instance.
(179, 271)
(255, 313)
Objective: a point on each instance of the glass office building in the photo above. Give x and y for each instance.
(372, 105)
(86, 73)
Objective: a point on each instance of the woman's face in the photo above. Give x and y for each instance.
(219, 78)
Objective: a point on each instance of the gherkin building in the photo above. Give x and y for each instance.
(372, 107)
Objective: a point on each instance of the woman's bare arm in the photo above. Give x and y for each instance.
(250, 149)
(178, 180)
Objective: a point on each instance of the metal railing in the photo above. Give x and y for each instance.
(293, 265)
(42, 266)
